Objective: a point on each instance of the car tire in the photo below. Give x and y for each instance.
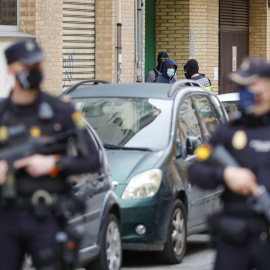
(110, 256)
(175, 246)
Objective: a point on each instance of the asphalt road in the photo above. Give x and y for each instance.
(199, 256)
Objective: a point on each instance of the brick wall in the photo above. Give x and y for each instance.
(107, 17)
(128, 67)
(174, 19)
(49, 30)
(204, 18)
(43, 18)
(105, 40)
(258, 36)
(28, 16)
(172, 31)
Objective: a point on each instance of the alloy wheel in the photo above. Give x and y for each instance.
(113, 246)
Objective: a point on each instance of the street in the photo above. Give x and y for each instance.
(198, 257)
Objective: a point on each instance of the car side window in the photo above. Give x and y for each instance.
(218, 108)
(207, 114)
(188, 121)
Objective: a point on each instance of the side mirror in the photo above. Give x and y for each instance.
(192, 144)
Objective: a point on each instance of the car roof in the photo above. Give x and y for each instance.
(228, 97)
(140, 90)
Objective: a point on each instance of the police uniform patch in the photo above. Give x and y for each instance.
(35, 132)
(239, 140)
(3, 133)
(30, 46)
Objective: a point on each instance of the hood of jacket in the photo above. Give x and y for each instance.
(168, 63)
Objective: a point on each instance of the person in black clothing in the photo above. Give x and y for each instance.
(243, 241)
(154, 73)
(27, 223)
(191, 71)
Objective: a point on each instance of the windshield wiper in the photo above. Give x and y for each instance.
(113, 146)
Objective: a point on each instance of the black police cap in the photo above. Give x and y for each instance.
(27, 52)
(250, 71)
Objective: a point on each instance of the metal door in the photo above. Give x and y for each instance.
(233, 38)
(78, 41)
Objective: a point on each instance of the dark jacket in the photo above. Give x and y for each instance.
(255, 155)
(164, 78)
(61, 121)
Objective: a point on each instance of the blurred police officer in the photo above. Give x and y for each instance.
(26, 225)
(243, 234)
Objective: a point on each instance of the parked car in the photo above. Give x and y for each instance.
(230, 102)
(150, 132)
(101, 246)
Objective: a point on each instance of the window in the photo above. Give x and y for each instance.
(189, 124)
(207, 114)
(130, 122)
(218, 109)
(9, 14)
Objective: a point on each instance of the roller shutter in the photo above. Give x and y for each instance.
(78, 41)
(234, 14)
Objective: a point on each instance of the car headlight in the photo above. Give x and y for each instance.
(143, 185)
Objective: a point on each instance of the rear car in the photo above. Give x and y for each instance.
(150, 132)
(230, 102)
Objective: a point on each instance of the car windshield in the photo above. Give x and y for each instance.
(138, 123)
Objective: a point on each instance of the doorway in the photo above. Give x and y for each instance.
(233, 39)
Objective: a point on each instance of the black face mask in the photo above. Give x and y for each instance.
(30, 79)
(188, 75)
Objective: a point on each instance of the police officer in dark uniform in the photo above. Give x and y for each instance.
(243, 234)
(28, 220)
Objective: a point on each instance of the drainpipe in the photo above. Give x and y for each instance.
(139, 39)
(119, 45)
(135, 39)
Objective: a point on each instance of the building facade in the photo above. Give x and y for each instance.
(118, 40)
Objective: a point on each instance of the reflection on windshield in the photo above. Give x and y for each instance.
(130, 122)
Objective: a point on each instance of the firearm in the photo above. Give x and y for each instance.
(18, 144)
(220, 156)
(66, 249)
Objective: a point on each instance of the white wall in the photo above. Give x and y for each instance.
(6, 80)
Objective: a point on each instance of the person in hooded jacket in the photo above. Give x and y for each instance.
(168, 74)
(191, 71)
(154, 73)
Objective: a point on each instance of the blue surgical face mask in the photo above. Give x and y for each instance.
(170, 72)
(246, 100)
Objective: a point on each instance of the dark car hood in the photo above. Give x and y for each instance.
(126, 163)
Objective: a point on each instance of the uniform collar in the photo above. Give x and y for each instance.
(251, 120)
(26, 109)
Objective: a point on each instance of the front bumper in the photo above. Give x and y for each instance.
(154, 213)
